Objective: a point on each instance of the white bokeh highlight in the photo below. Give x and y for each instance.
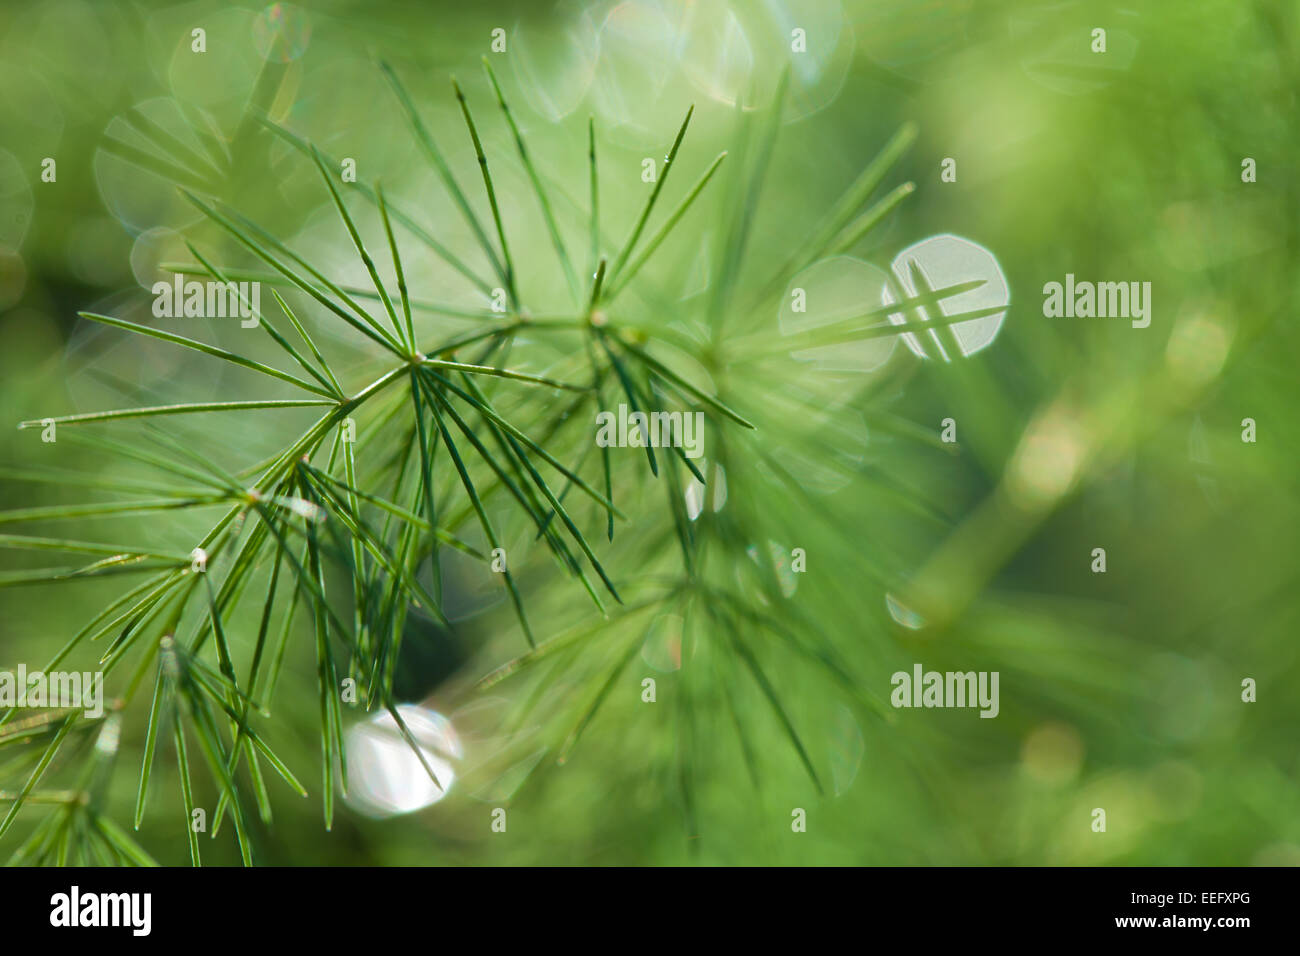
(945, 261)
(385, 775)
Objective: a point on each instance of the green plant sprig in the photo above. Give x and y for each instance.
(447, 444)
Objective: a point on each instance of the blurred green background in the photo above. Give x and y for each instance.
(1119, 690)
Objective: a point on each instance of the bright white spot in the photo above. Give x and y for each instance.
(303, 508)
(385, 775)
(694, 499)
(697, 494)
(941, 262)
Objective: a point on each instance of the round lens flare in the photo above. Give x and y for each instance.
(942, 263)
(827, 302)
(387, 776)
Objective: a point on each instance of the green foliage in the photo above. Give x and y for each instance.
(295, 521)
(328, 560)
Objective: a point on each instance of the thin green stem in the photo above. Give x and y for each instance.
(540, 190)
(632, 238)
(509, 275)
